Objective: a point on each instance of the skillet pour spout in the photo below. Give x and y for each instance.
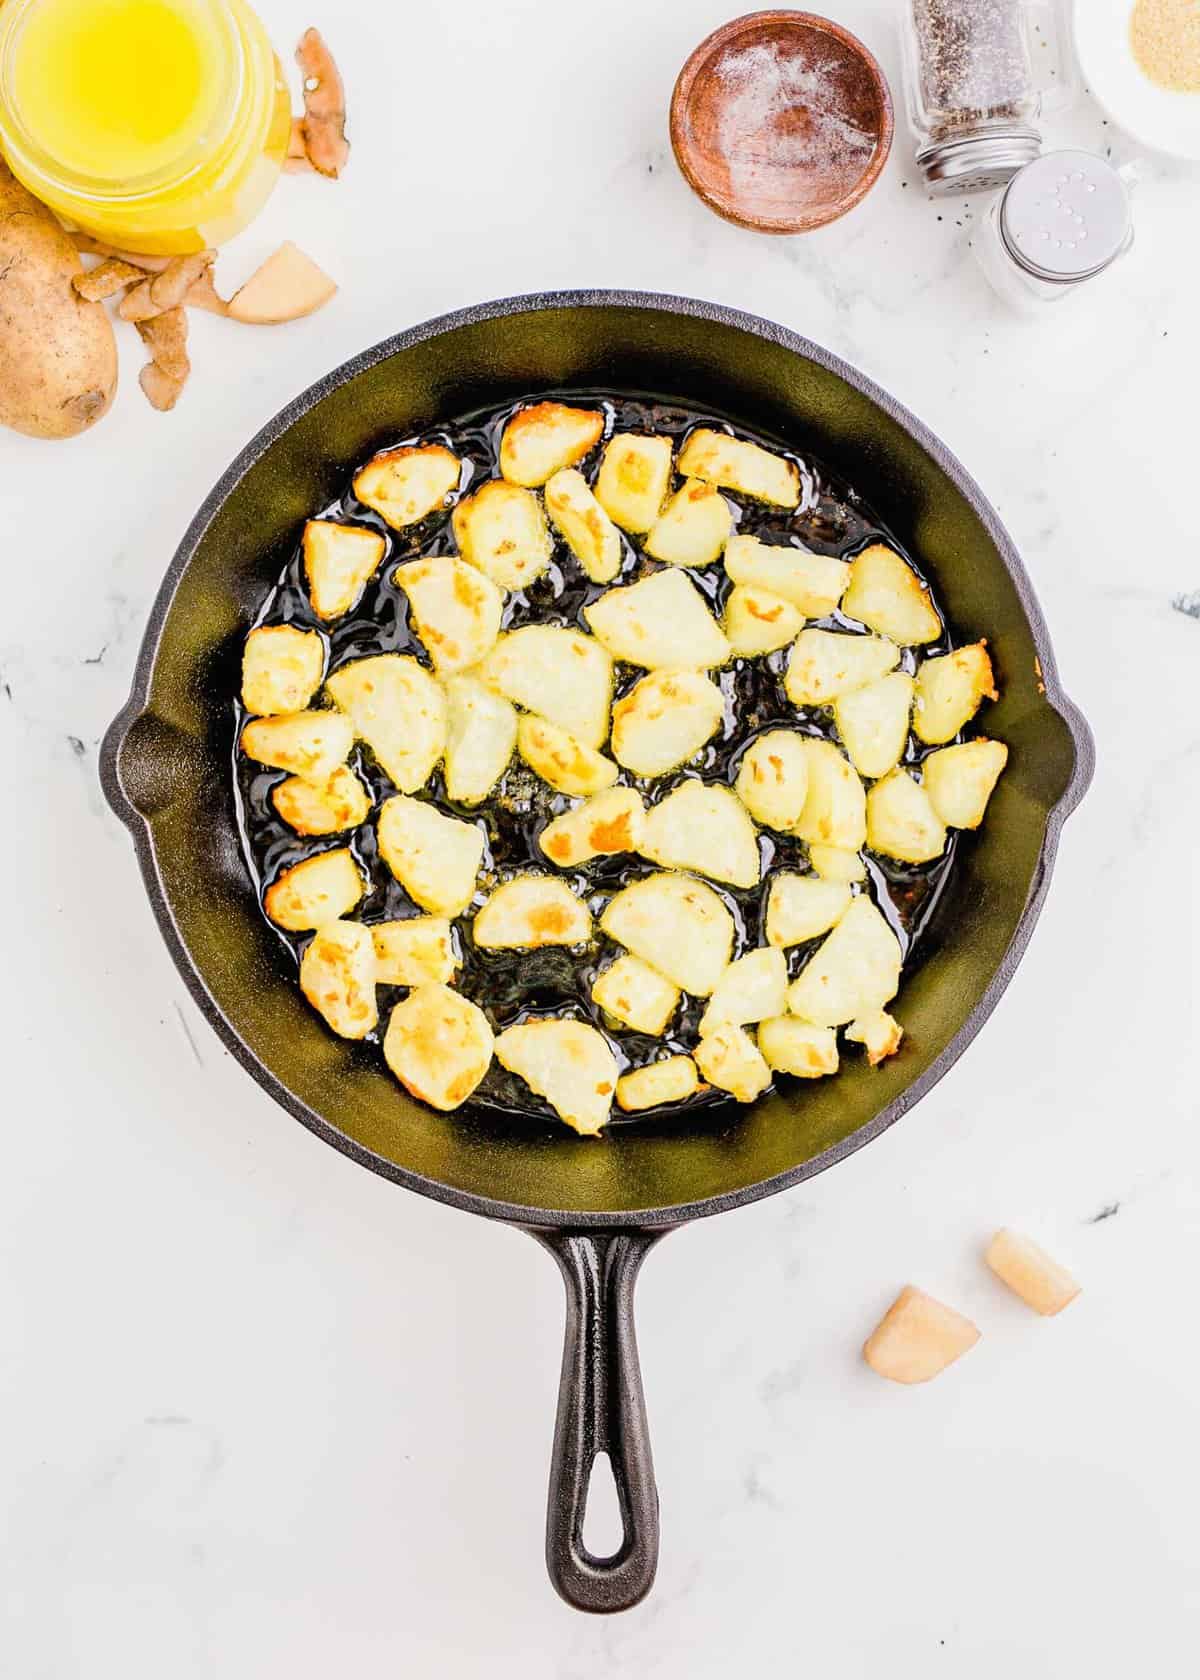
(598, 1206)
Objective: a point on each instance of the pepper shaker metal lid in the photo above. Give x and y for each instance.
(1066, 216)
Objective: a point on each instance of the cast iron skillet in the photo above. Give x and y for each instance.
(597, 1206)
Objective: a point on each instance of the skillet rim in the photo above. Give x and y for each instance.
(661, 1218)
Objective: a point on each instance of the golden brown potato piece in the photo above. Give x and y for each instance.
(455, 610)
(502, 531)
(664, 719)
(339, 562)
(406, 485)
(568, 1063)
(399, 710)
(753, 988)
(562, 761)
(873, 723)
(342, 803)
(798, 1048)
(879, 1033)
(825, 664)
(693, 528)
(315, 891)
(950, 690)
(661, 622)
(337, 976)
(481, 737)
(741, 466)
(1030, 1273)
(704, 827)
(835, 806)
(886, 595)
(672, 1080)
(812, 583)
(758, 622)
(435, 858)
(608, 823)
(282, 669)
(312, 745)
(853, 973)
(917, 1338)
(635, 995)
(418, 951)
(834, 863)
(560, 674)
(531, 911)
(960, 780)
(677, 925)
(546, 437)
(583, 525)
(729, 1059)
(901, 821)
(772, 780)
(803, 907)
(634, 477)
(438, 1045)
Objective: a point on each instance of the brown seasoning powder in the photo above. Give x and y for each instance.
(974, 63)
(1166, 42)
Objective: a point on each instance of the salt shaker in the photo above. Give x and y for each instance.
(1059, 222)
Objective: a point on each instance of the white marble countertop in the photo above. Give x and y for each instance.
(265, 1414)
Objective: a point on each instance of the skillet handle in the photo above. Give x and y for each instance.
(601, 1409)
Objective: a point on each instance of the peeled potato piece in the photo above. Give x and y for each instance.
(481, 736)
(311, 745)
(812, 583)
(693, 528)
(634, 477)
(399, 710)
(562, 761)
(418, 951)
(502, 531)
(886, 595)
(758, 622)
(772, 780)
(337, 976)
(560, 674)
(1030, 1273)
(662, 621)
(833, 863)
(950, 690)
(959, 780)
(406, 485)
(568, 1063)
(342, 803)
(672, 1080)
(825, 664)
(853, 973)
(741, 466)
(753, 988)
(664, 719)
(729, 1059)
(455, 609)
(583, 525)
(438, 1045)
(873, 723)
(835, 807)
(282, 669)
(285, 287)
(435, 858)
(339, 562)
(803, 907)
(677, 925)
(917, 1338)
(879, 1033)
(798, 1048)
(315, 891)
(901, 820)
(635, 995)
(540, 440)
(703, 827)
(608, 823)
(530, 911)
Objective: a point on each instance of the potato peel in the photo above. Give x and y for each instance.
(323, 126)
(108, 278)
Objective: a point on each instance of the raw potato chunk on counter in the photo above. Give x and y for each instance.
(917, 1338)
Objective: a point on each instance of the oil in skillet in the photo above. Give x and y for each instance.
(512, 986)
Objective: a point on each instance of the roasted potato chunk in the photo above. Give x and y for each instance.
(693, 528)
(772, 780)
(880, 1034)
(901, 820)
(608, 823)
(635, 995)
(583, 525)
(481, 737)
(950, 690)
(886, 595)
(342, 803)
(418, 951)
(835, 807)
(568, 1063)
(455, 610)
(339, 563)
(873, 723)
(959, 780)
(282, 669)
(798, 1048)
(337, 976)
(812, 583)
(803, 907)
(753, 988)
(664, 720)
(855, 971)
(745, 467)
(399, 710)
(314, 891)
(758, 622)
(502, 531)
(562, 761)
(438, 1045)
(434, 858)
(546, 437)
(530, 911)
(917, 1338)
(825, 664)
(677, 925)
(634, 477)
(406, 485)
(672, 1080)
(560, 674)
(833, 863)
(661, 622)
(312, 745)
(729, 1059)
(1028, 1271)
(703, 826)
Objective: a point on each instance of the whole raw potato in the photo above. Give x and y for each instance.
(58, 357)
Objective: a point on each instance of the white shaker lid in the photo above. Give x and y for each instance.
(1066, 216)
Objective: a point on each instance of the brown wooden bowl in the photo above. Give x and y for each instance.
(781, 121)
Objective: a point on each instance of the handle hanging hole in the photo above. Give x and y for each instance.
(603, 1528)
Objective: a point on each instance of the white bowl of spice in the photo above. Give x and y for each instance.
(1141, 60)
